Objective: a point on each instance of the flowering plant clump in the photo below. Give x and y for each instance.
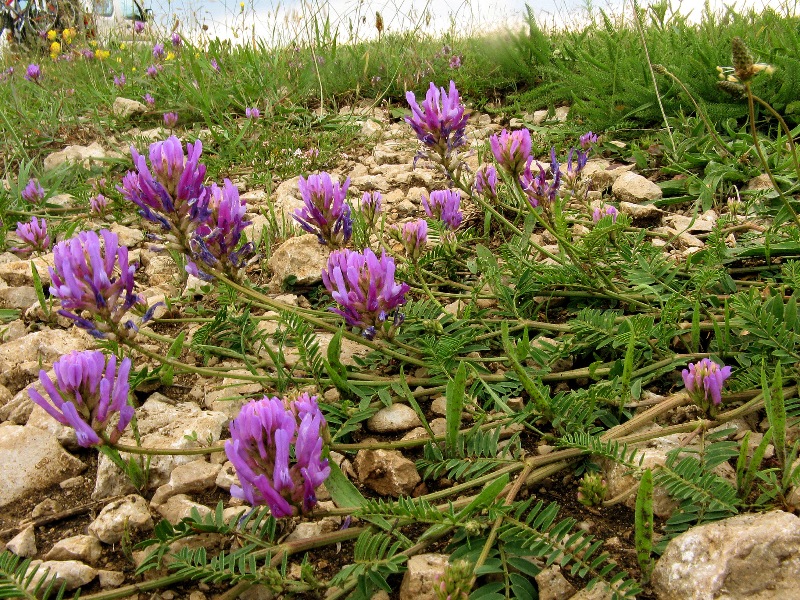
(33, 73)
(371, 207)
(84, 279)
(703, 379)
(98, 203)
(34, 237)
(252, 113)
(486, 181)
(87, 393)
(592, 489)
(605, 211)
(276, 449)
(364, 287)
(171, 119)
(413, 235)
(33, 192)
(538, 188)
(444, 205)
(512, 150)
(325, 214)
(441, 122)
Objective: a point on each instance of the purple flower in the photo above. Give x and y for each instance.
(606, 211)
(33, 73)
(152, 70)
(364, 287)
(158, 50)
(444, 205)
(512, 150)
(325, 214)
(215, 240)
(87, 53)
(371, 207)
(587, 140)
(413, 235)
(486, 181)
(252, 113)
(704, 378)
(177, 41)
(574, 168)
(441, 122)
(119, 81)
(7, 74)
(537, 187)
(170, 119)
(84, 279)
(33, 192)
(138, 27)
(173, 194)
(276, 449)
(87, 393)
(215, 64)
(33, 235)
(455, 61)
(98, 203)
(149, 100)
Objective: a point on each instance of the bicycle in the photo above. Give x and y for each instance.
(26, 20)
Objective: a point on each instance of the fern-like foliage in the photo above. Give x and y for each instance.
(769, 327)
(403, 511)
(302, 334)
(478, 453)
(19, 580)
(532, 531)
(376, 556)
(608, 449)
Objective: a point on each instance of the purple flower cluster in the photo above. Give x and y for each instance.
(364, 287)
(149, 100)
(512, 150)
(252, 113)
(486, 181)
(84, 280)
(152, 71)
(98, 203)
(119, 80)
(605, 211)
(87, 393)
(158, 50)
(413, 235)
(276, 449)
(371, 207)
(171, 119)
(33, 192)
(587, 140)
(33, 73)
(538, 188)
(325, 212)
(34, 237)
(703, 379)
(176, 39)
(138, 27)
(441, 122)
(444, 205)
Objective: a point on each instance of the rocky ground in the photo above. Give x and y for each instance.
(76, 512)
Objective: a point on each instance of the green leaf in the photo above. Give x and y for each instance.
(167, 370)
(485, 498)
(643, 519)
(342, 490)
(455, 405)
(37, 285)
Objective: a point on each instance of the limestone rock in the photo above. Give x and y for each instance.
(125, 108)
(553, 585)
(24, 543)
(110, 579)
(18, 272)
(17, 297)
(195, 476)
(751, 556)
(641, 213)
(127, 236)
(83, 155)
(287, 199)
(179, 507)
(397, 417)
(227, 476)
(73, 573)
(129, 513)
(300, 258)
(31, 460)
(422, 575)
(387, 472)
(85, 548)
(41, 419)
(632, 187)
(602, 173)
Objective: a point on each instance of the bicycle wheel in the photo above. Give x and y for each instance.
(41, 17)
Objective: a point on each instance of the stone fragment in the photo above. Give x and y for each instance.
(18, 272)
(127, 236)
(179, 507)
(640, 213)
(85, 548)
(110, 579)
(17, 297)
(40, 418)
(83, 155)
(553, 585)
(397, 417)
(387, 472)
(299, 259)
(603, 173)
(746, 557)
(632, 187)
(195, 476)
(73, 573)
(24, 543)
(32, 460)
(125, 108)
(759, 182)
(130, 513)
(419, 581)
(287, 199)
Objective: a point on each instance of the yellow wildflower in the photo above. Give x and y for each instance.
(102, 54)
(93, 43)
(68, 35)
(123, 45)
(170, 55)
(52, 35)
(55, 48)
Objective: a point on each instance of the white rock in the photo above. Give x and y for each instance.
(387, 472)
(129, 513)
(17, 297)
(110, 579)
(397, 417)
(195, 476)
(73, 573)
(84, 155)
(32, 460)
(227, 476)
(287, 199)
(85, 548)
(179, 507)
(24, 543)
(750, 556)
(602, 173)
(300, 258)
(553, 585)
(127, 236)
(125, 107)
(641, 212)
(424, 571)
(632, 187)
(18, 272)
(65, 434)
